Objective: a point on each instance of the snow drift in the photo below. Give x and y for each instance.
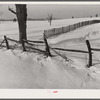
(29, 70)
(25, 70)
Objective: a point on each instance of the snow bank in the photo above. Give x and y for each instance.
(29, 70)
(89, 32)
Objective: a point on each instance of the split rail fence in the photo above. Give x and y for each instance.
(29, 44)
(47, 50)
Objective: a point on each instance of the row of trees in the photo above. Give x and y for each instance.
(97, 15)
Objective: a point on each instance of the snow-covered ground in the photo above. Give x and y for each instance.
(35, 29)
(32, 70)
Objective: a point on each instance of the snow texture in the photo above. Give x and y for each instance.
(35, 71)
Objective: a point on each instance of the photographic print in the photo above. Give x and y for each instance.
(49, 45)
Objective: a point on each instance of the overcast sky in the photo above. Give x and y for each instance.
(58, 11)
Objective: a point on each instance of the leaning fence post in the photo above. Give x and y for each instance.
(90, 53)
(23, 45)
(47, 46)
(7, 44)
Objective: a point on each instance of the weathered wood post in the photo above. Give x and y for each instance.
(47, 49)
(78, 24)
(82, 23)
(23, 45)
(74, 26)
(90, 53)
(7, 44)
(69, 28)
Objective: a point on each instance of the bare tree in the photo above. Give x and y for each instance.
(72, 17)
(96, 15)
(50, 18)
(21, 13)
(14, 20)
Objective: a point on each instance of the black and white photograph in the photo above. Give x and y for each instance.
(49, 45)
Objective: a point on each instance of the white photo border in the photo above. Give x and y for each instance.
(49, 93)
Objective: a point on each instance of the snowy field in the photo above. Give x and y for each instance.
(35, 71)
(35, 29)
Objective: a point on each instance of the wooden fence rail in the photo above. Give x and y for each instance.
(81, 51)
(95, 49)
(33, 41)
(71, 50)
(47, 48)
(12, 40)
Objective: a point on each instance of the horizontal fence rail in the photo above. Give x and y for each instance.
(57, 31)
(71, 50)
(12, 40)
(95, 49)
(28, 45)
(33, 41)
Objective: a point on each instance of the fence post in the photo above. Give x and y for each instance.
(23, 45)
(79, 24)
(62, 30)
(90, 53)
(82, 23)
(69, 28)
(74, 26)
(47, 49)
(7, 44)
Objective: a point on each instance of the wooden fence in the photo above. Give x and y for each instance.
(47, 51)
(61, 30)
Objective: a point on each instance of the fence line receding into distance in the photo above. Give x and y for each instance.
(53, 32)
(57, 31)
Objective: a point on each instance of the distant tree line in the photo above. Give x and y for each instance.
(96, 15)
